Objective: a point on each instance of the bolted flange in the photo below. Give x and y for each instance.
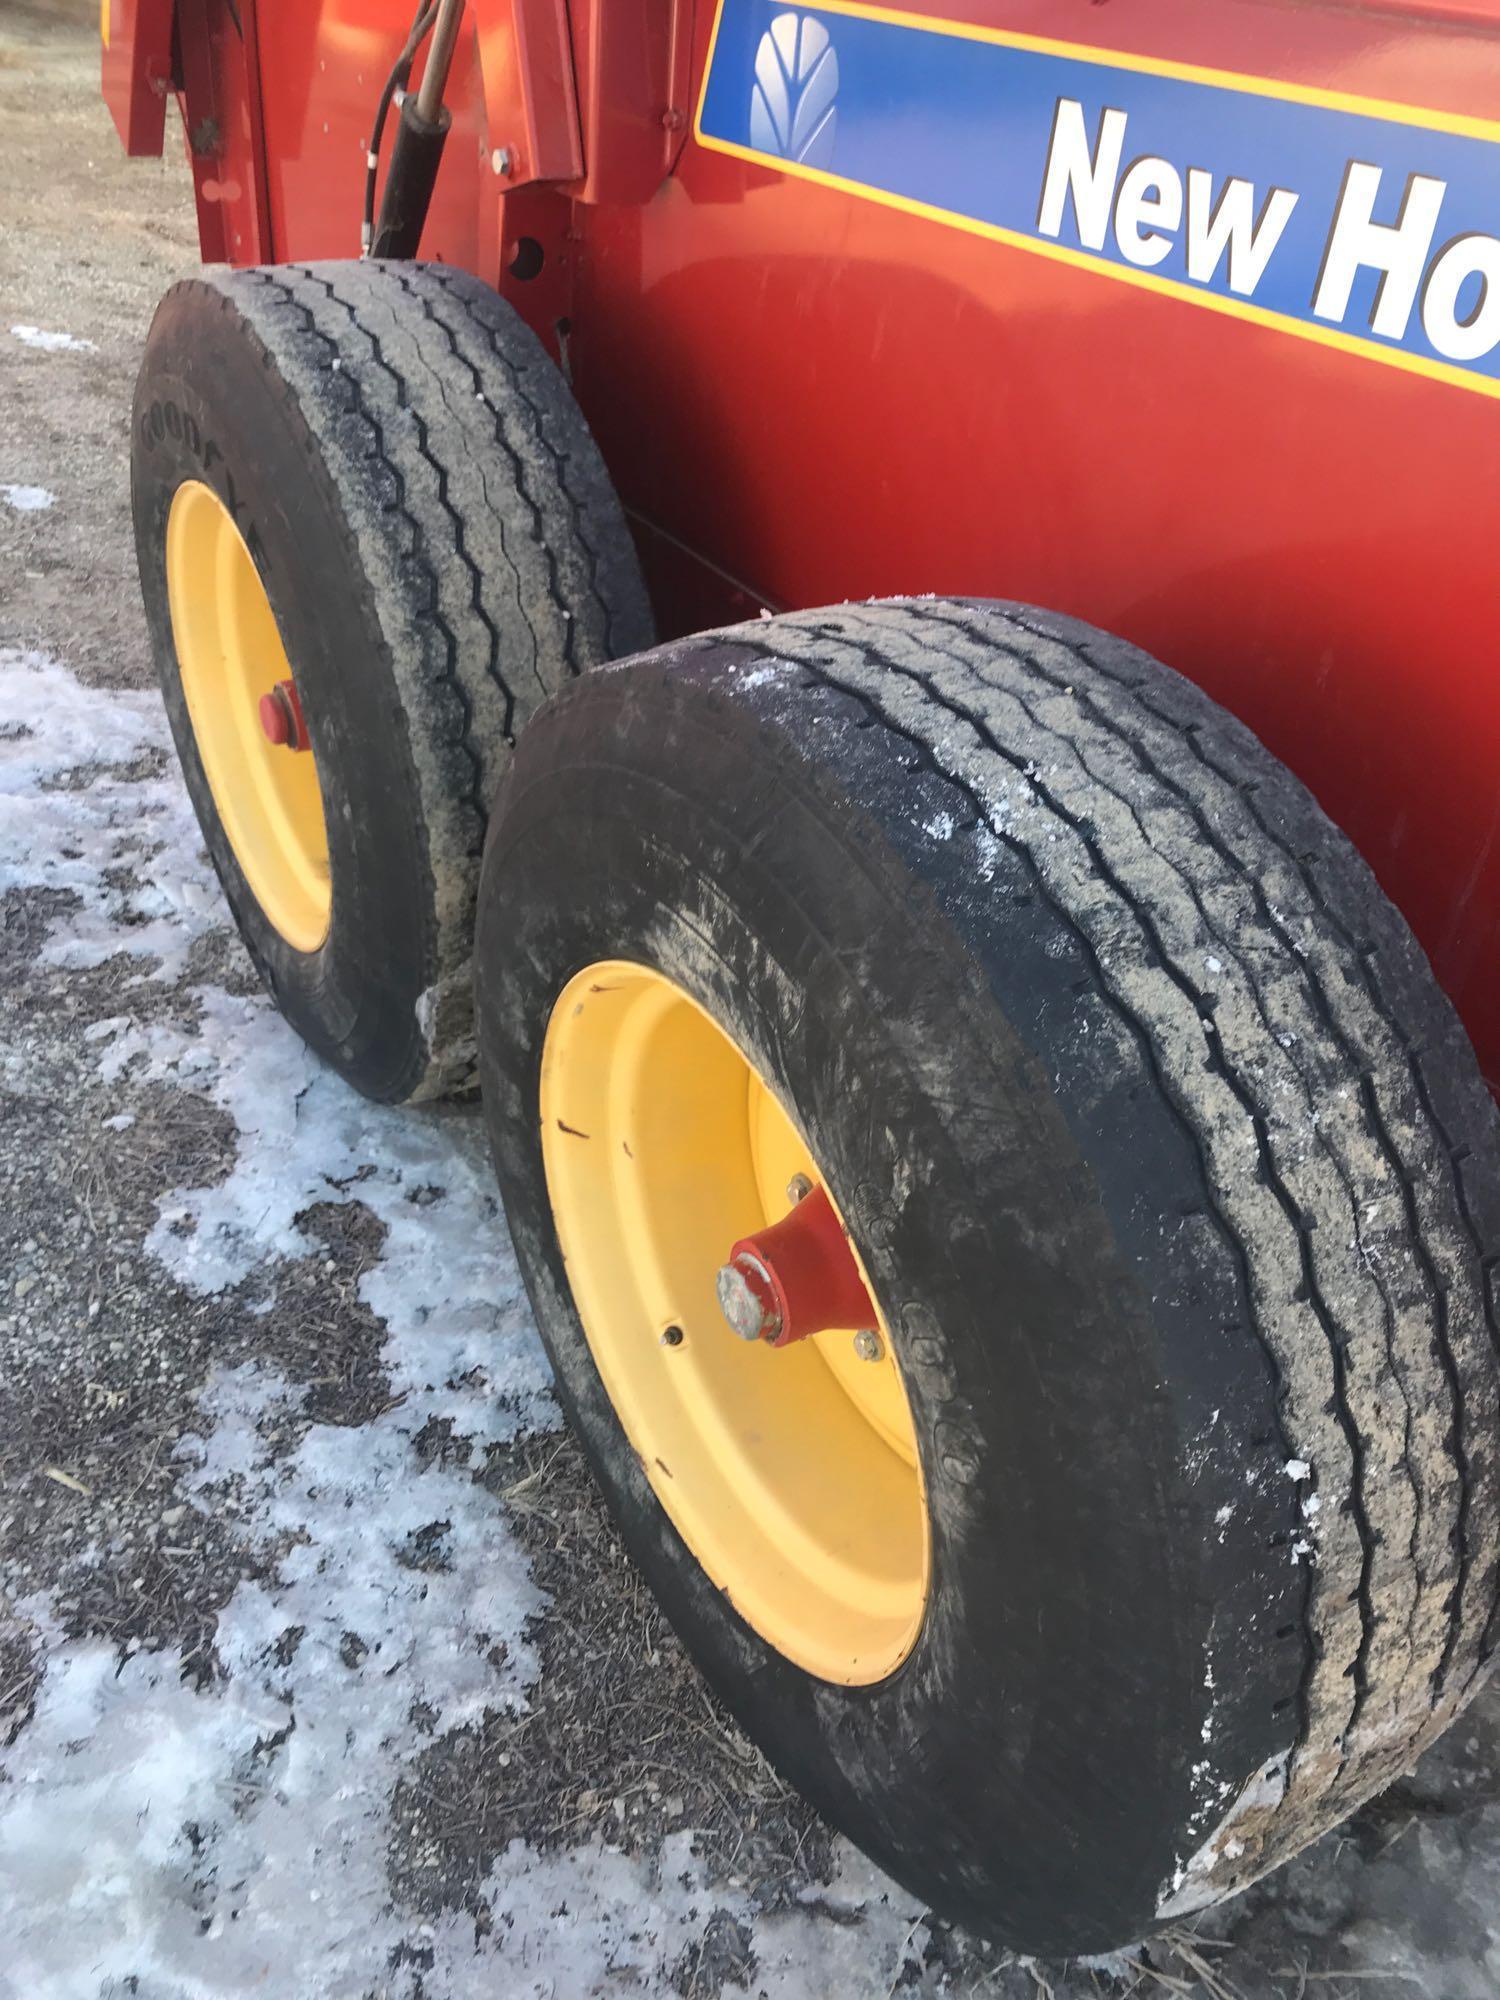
(794, 1279)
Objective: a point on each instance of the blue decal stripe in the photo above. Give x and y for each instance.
(1366, 226)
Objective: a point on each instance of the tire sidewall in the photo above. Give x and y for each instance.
(210, 406)
(999, 1772)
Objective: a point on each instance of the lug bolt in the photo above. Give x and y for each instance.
(671, 1336)
(798, 1188)
(747, 1305)
(868, 1345)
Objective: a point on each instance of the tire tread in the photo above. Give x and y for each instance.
(1156, 828)
(478, 508)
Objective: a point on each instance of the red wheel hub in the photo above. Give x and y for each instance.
(794, 1279)
(281, 717)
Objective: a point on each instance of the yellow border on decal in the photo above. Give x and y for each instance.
(1085, 260)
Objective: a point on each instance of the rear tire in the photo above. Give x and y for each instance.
(1175, 1181)
(441, 549)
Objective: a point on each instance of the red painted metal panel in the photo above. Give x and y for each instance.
(221, 113)
(322, 66)
(136, 69)
(634, 64)
(829, 398)
(805, 396)
(526, 58)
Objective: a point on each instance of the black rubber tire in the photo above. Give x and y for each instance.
(1178, 1184)
(442, 548)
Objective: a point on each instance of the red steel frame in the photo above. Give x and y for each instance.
(805, 397)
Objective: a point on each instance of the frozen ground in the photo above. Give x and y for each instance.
(321, 1672)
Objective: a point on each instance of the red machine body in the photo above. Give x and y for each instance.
(808, 392)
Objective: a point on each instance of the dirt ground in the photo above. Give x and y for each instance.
(321, 1671)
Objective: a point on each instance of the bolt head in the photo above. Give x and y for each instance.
(671, 1336)
(500, 160)
(798, 1188)
(741, 1306)
(868, 1345)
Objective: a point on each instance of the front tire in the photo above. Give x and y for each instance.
(1175, 1183)
(365, 484)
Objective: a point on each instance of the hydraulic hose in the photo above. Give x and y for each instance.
(421, 130)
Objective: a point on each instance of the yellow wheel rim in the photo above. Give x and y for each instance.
(792, 1474)
(230, 654)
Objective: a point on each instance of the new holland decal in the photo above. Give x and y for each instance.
(1368, 225)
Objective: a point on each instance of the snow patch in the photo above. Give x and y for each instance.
(749, 678)
(28, 499)
(52, 343)
(231, 1838)
(126, 853)
(1192, 1886)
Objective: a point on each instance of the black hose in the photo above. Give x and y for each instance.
(409, 179)
(400, 76)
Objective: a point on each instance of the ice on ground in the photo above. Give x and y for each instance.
(179, 1841)
(229, 1840)
(52, 343)
(28, 499)
(198, 1843)
(126, 854)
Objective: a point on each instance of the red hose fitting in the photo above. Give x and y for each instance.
(794, 1279)
(281, 718)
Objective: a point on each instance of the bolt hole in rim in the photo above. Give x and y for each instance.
(231, 658)
(792, 1474)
